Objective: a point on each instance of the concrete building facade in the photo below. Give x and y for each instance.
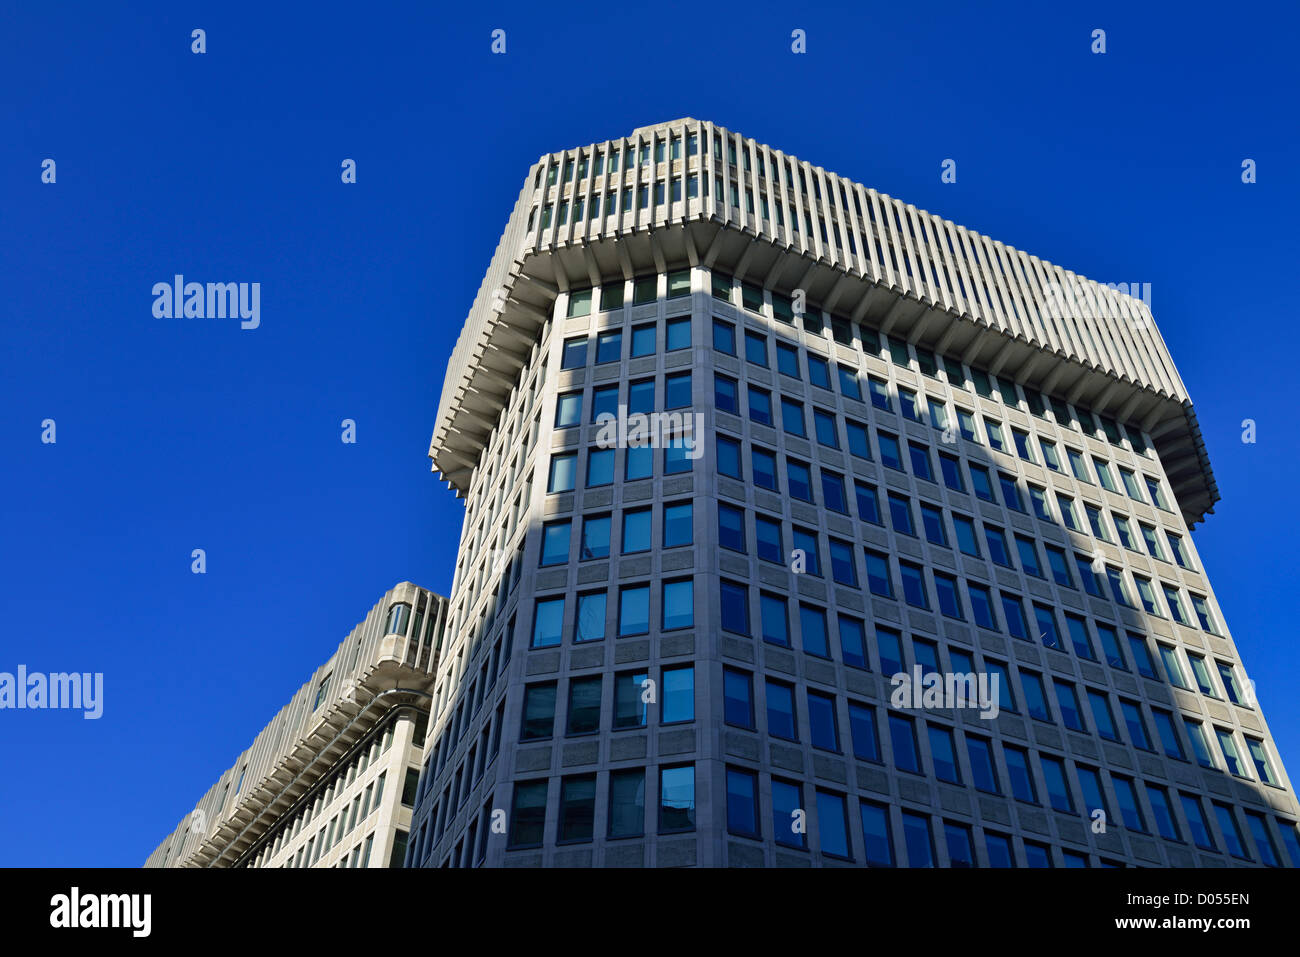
(331, 780)
(899, 447)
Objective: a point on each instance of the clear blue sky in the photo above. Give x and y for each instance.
(175, 435)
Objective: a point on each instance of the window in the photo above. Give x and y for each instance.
(966, 424)
(679, 281)
(756, 348)
(902, 735)
(528, 813)
(1196, 822)
(1050, 457)
(889, 644)
(1060, 570)
(876, 834)
(611, 296)
(1228, 745)
(798, 480)
(729, 457)
(1010, 493)
(1169, 742)
(1066, 505)
(735, 608)
(843, 569)
(636, 531)
(630, 706)
(825, 429)
(919, 840)
(738, 698)
(792, 420)
(677, 799)
(981, 606)
(575, 352)
(600, 467)
(577, 808)
(819, 372)
(932, 521)
(1232, 837)
(965, 530)
(1028, 552)
(539, 712)
(725, 395)
(1202, 609)
(879, 393)
(849, 385)
(983, 774)
(996, 540)
(678, 604)
(678, 330)
(1229, 679)
(1022, 780)
(1077, 465)
(900, 514)
(677, 390)
(862, 727)
(679, 524)
(568, 409)
(859, 444)
(584, 705)
(1035, 697)
(1176, 547)
(1173, 670)
(579, 299)
(760, 405)
(724, 337)
(731, 528)
(787, 813)
(1202, 675)
(780, 710)
(1200, 747)
(590, 624)
(868, 505)
(548, 622)
(951, 469)
(943, 755)
(609, 346)
(787, 360)
(627, 803)
(678, 695)
(1163, 813)
(643, 340)
(1101, 715)
(633, 610)
(1157, 497)
(913, 578)
(805, 541)
(994, 432)
(822, 725)
(768, 533)
(1090, 785)
(1079, 637)
(774, 618)
(1263, 841)
(908, 403)
(833, 493)
(832, 822)
(920, 459)
(1022, 445)
(604, 402)
(742, 802)
(1068, 702)
(979, 482)
(595, 536)
(1058, 793)
(1104, 476)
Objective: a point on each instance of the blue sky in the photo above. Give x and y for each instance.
(176, 435)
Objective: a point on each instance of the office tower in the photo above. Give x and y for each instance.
(922, 453)
(330, 782)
